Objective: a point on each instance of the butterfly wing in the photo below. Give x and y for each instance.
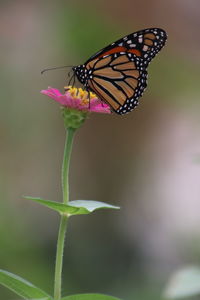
(117, 73)
(118, 80)
(144, 44)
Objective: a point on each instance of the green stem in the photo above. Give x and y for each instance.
(64, 218)
(65, 165)
(59, 258)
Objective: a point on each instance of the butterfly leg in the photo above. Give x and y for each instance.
(88, 94)
(68, 75)
(89, 98)
(72, 79)
(102, 103)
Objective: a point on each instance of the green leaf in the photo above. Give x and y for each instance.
(56, 206)
(76, 207)
(22, 287)
(91, 205)
(89, 297)
(184, 283)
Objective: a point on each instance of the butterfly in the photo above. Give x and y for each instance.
(117, 74)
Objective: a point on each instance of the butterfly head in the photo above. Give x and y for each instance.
(81, 73)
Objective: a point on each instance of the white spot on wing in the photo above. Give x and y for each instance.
(145, 48)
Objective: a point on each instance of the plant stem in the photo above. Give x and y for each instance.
(59, 258)
(65, 165)
(64, 218)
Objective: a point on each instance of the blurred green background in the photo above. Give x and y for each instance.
(148, 161)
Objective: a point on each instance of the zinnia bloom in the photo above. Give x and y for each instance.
(76, 104)
(76, 98)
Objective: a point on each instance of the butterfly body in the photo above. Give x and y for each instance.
(117, 74)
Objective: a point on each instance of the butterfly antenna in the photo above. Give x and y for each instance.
(55, 68)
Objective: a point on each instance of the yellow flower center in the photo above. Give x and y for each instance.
(79, 93)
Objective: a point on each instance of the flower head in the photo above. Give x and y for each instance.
(76, 98)
(76, 104)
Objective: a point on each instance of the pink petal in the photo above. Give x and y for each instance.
(96, 105)
(52, 93)
(101, 109)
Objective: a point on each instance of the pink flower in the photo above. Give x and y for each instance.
(76, 98)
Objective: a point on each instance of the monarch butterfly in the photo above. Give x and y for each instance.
(117, 74)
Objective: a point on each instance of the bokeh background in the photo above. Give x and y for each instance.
(148, 161)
